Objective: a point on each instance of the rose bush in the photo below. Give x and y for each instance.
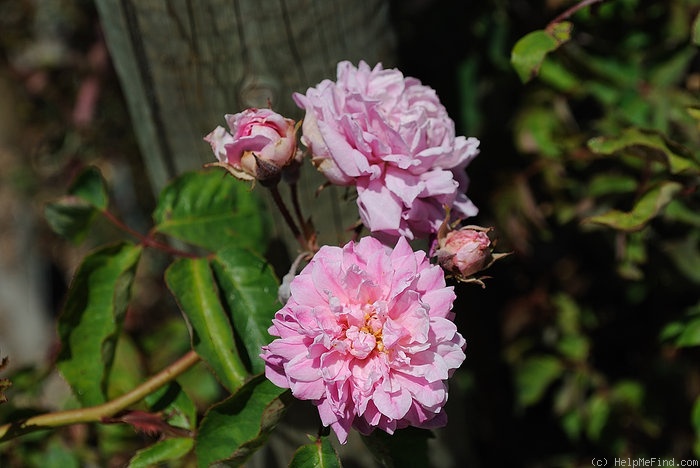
(367, 336)
(260, 144)
(390, 136)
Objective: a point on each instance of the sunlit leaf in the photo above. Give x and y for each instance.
(235, 428)
(91, 319)
(646, 208)
(249, 288)
(647, 144)
(534, 376)
(192, 283)
(162, 451)
(211, 210)
(319, 454)
(529, 52)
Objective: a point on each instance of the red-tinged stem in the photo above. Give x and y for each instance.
(105, 410)
(146, 241)
(287, 216)
(295, 204)
(571, 11)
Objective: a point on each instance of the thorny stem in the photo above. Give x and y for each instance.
(571, 11)
(99, 412)
(146, 241)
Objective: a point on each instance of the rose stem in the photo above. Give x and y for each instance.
(286, 215)
(97, 413)
(295, 203)
(147, 241)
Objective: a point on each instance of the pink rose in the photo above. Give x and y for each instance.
(367, 335)
(260, 144)
(465, 251)
(390, 137)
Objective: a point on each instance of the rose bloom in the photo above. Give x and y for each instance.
(260, 144)
(367, 335)
(465, 251)
(390, 136)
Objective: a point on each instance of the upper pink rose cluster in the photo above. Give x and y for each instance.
(390, 136)
(367, 335)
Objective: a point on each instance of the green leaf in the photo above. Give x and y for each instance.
(127, 370)
(696, 30)
(319, 454)
(629, 393)
(529, 52)
(249, 288)
(211, 210)
(646, 208)
(192, 283)
(235, 428)
(695, 416)
(648, 144)
(598, 413)
(72, 215)
(690, 335)
(534, 376)
(162, 451)
(175, 404)
(574, 347)
(90, 187)
(606, 184)
(92, 317)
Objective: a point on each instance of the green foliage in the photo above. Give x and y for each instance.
(529, 52)
(162, 451)
(233, 429)
(209, 209)
(249, 290)
(645, 209)
(91, 320)
(603, 210)
(192, 283)
(534, 376)
(318, 454)
(593, 342)
(72, 215)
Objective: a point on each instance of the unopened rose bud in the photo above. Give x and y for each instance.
(465, 251)
(260, 145)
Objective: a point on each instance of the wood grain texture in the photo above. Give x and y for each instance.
(183, 64)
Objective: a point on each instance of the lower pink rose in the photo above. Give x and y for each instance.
(367, 335)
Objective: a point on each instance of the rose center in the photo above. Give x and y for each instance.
(363, 340)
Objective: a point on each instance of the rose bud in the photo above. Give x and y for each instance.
(465, 251)
(260, 145)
